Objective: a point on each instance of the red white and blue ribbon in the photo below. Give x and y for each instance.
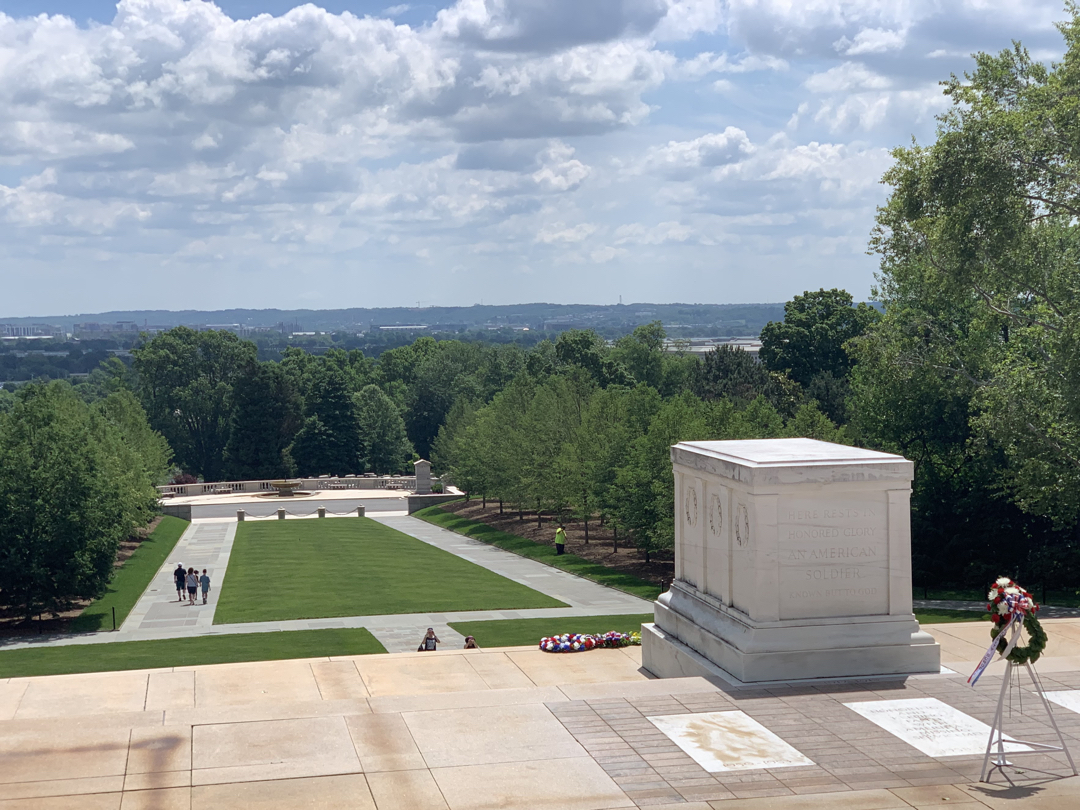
(1018, 606)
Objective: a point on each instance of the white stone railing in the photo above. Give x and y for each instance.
(403, 482)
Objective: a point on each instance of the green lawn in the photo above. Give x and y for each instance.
(941, 616)
(305, 569)
(519, 632)
(186, 652)
(131, 579)
(1058, 598)
(536, 551)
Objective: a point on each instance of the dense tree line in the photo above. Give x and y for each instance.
(76, 479)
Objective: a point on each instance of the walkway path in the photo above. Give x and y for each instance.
(208, 543)
(205, 544)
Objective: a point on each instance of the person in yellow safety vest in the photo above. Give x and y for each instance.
(560, 540)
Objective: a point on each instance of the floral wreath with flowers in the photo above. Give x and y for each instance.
(579, 642)
(1006, 598)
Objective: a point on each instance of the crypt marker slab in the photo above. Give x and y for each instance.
(728, 741)
(1069, 698)
(935, 728)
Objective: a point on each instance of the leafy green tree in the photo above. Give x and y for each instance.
(185, 385)
(386, 448)
(810, 340)
(267, 415)
(124, 412)
(984, 221)
(728, 372)
(641, 353)
(586, 349)
(329, 441)
(70, 490)
(646, 480)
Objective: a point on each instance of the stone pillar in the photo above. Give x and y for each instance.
(360, 510)
(792, 560)
(281, 514)
(322, 511)
(240, 515)
(423, 477)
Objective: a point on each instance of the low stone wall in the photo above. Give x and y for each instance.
(418, 502)
(180, 510)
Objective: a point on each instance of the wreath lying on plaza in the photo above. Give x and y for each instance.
(1007, 599)
(579, 642)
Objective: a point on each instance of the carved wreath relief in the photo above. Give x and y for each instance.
(742, 525)
(716, 515)
(690, 505)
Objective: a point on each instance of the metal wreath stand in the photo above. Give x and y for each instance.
(997, 735)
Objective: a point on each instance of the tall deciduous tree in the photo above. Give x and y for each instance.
(70, 490)
(185, 384)
(266, 416)
(329, 442)
(984, 221)
(386, 448)
(123, 410)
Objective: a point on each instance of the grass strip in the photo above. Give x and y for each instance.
(305, 569)
(130, 580)
(539, 552)
(519, 632)
(187, 652)
(943, 616)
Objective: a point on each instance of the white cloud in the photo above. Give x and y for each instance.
(603, 139)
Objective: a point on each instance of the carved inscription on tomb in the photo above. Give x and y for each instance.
(833, 556)
(690, 506)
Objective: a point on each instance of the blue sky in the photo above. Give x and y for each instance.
(180, 154)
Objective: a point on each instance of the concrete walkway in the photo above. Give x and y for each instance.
(207, 543)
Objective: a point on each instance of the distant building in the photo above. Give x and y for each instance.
(33, 330)
(750, 345)
(92, 329)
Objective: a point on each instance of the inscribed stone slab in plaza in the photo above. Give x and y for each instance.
(1069, 698)
(728, 741)
(935, 728)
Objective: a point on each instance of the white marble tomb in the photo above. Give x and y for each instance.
(792, 560)
(728, 741)
(935, 728)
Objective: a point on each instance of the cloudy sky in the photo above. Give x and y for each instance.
(182, 154)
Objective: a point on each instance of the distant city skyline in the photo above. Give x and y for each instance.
(175, 154)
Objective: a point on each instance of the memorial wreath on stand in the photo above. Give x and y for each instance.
(580, 642)
(1010, 605)
(1012, 611)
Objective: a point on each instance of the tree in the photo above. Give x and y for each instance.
(727, 372)
(586, 349)
(267, 414)
(124, 412)
(984, 221)
(810, 340)
(385, 447)
(642, 353)
(329, 441)
(70, 491)
(185, 385)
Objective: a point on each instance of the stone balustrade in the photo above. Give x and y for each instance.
(402, 482)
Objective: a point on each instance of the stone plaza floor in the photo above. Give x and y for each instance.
(514, 728)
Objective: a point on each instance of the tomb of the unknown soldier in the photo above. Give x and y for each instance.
(792, 560)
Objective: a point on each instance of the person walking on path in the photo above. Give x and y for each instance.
(192, 585)
(427, 644)
(560, 540)
(204, 581)
(180, 575)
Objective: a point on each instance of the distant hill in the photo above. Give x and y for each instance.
(678, 319)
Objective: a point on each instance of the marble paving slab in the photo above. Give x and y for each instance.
(935, 728)
(1069, 698)
(728, 741)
